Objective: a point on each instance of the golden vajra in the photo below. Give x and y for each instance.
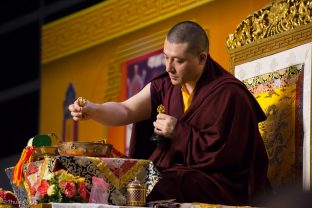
(161, 109)
(155, 137)
(82, 101)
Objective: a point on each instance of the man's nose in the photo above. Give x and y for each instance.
(169, 66)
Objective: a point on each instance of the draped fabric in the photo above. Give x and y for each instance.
(216, 153)
(117, 172)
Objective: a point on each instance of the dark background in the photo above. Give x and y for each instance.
(20, 47)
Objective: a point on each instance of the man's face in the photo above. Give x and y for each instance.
(182, 66)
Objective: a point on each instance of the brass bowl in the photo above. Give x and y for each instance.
(44, 151)
(90, 149)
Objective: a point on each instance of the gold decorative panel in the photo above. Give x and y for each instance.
(281, 16)
(269, 46)
(105, 21)
(113, 83)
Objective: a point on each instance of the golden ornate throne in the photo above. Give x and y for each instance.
(270, 51)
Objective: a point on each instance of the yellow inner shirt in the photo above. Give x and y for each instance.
(187, 97)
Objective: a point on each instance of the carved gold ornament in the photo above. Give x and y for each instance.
(161, 109)
(82, 101)
(279, 17)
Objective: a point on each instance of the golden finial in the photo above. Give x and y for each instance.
(82, 101)
(161, 109)
(156, 137)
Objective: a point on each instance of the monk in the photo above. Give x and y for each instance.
(212, 151)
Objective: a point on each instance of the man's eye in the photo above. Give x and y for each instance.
(179, 61)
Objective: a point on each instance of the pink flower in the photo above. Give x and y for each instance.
(43, 188)
(83, 192)
(68, 188)
(62, 186)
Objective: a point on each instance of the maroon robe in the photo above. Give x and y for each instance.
(216, 153)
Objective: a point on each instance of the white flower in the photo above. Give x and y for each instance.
(49, 176)
(51, 190)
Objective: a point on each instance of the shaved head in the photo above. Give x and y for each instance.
(191, 33)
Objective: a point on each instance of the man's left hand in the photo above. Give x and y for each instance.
(164, 125)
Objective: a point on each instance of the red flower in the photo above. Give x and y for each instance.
(83, 192)
(42, 189)
(69, 189)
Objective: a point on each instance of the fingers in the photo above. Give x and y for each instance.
(164, 125)
(158, 132)
(77, 115)
(76, 109)
(162, 116)
(160, 129)
(157, 125)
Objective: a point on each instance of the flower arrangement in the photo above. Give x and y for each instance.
(7, 199)
(61, 186)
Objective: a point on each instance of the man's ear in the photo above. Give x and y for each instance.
(203, 57)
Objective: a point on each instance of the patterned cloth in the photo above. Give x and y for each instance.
(116, 172)
(280, 95)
